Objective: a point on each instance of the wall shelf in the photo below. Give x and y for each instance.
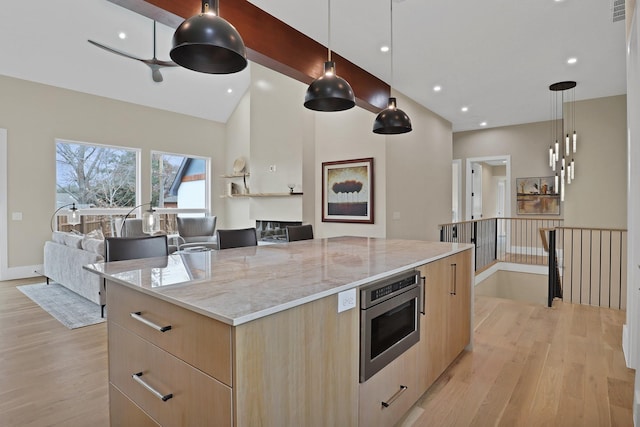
(236, 175)
(238, 196)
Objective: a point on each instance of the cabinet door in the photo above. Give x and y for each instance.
(123, 412)
(445, 327)
(390, 393)
(459, 316)
(434, 323)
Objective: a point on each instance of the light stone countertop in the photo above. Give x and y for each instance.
(239, 285)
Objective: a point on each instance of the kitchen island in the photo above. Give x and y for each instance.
(253, 336)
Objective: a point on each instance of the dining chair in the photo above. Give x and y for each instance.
(124, 248)
(236, 238)
(299, 232)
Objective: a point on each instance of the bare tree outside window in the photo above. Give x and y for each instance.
(95, 176)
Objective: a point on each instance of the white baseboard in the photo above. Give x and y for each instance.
(22, 272)
(509, 266)
(625, 345)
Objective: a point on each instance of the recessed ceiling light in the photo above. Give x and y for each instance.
(572, 60)
(229, 90)
(384, 48)
(437, 88)
(464, 109)
(483, 124)
(122, 35)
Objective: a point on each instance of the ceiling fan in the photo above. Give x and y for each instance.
(154, 63)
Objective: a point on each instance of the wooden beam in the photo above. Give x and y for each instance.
(273, 44)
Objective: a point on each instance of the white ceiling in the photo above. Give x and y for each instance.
(496, 57)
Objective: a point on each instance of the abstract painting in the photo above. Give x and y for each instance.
(537, 196)
(347, 191)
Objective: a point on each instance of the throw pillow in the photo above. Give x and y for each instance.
(95, 234)
(73, 240)
(58, 237)
(93, 245)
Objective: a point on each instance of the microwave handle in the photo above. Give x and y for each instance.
(423, 298)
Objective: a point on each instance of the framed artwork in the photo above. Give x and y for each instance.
(347, 191)
(537, 196)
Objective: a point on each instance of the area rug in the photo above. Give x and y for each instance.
(66, 306)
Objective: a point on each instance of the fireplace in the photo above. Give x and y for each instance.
(273, 231)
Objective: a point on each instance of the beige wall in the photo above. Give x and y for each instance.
(419, 175)
(601, 159)
(35, 115)
(348, 135)
(268, 127)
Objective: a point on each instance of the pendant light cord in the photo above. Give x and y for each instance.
(391, 40)
(329, 30)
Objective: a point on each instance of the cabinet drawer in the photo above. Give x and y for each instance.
(124, 413)
(196, 398)
(198, 340)
(387, 386)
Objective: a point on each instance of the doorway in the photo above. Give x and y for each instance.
(487, 187)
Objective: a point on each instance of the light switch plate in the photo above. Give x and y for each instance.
(16, 216)
(346, 300)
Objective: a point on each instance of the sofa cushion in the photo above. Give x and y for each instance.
(73, 240)
(58, 237)
(93, 245)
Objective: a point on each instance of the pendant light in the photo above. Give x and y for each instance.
(392, 120)
(329, 92)
(209, 44)
(563, 130)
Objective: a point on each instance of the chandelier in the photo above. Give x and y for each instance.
(564, 137)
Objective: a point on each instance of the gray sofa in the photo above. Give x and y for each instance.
(64, 256)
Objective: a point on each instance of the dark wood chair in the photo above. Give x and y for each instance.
(237, 238)
(299, 232)
(124, 248)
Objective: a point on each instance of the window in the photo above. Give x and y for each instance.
(101, 180)
(180, 184)
(94, 176)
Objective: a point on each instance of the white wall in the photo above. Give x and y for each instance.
(631, 331)
(238, 140)
(278, 126)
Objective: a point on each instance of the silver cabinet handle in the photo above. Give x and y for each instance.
(156, 393)
(138, 316)
(395, 396)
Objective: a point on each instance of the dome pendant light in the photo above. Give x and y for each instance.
(392, 120)
(329, 92)
(209, 44)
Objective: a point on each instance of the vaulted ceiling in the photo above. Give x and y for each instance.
(495, 57)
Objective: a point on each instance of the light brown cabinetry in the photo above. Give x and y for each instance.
(295, 367)
(390, 393)
(446, 323)
(167, 365)
(445, 330)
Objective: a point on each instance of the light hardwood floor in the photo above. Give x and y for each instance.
(534, 366)
(531, 366)
(49, 375)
